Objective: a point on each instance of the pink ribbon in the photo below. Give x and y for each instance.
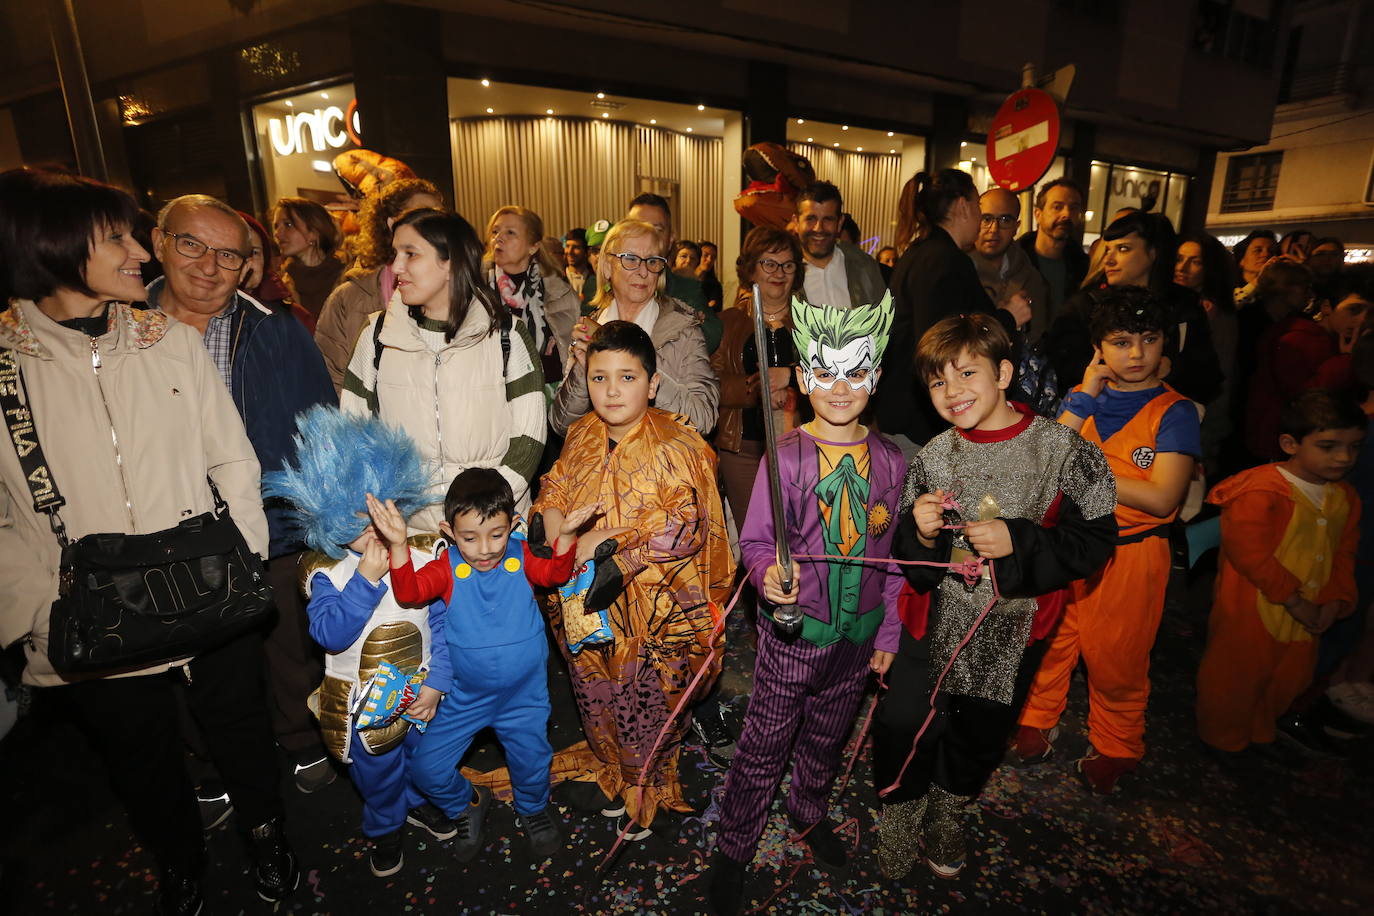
(969, 570)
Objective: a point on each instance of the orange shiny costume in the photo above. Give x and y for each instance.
(1274, 542)
(659, 481)
(1111, 619)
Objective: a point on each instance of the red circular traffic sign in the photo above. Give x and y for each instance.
(1023, 139)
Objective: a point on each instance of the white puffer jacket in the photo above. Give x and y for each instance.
(453, 397)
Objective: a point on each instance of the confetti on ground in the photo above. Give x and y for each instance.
(1181, 836)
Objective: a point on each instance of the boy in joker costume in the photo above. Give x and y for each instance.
(840, 487)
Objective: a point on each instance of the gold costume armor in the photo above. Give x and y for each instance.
(395, 635)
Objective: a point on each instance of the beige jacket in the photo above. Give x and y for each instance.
(687, 384)
(129, 444)
(357, 296)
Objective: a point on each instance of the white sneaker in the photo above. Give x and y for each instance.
(1355, 699)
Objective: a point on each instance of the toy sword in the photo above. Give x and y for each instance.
(787, 617)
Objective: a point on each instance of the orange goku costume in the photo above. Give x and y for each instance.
(663, 588)
(1112, 617)
(1275, 541)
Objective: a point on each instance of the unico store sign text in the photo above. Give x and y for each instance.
(327, 128)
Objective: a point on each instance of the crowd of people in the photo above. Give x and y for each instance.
(455, 447)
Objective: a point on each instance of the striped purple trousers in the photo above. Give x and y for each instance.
(802, 709)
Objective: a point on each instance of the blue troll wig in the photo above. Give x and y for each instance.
(340, 459)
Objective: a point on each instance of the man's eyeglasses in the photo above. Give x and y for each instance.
(189, 246)
(772, 267)
(1004, 220)
(629, 261)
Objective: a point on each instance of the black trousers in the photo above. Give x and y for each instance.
(965, 740)
(295, 664)
(132, 724)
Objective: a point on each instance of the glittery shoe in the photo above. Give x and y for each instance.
(899, 832)
(946, 851)
(1032, 745)
(1101, 772)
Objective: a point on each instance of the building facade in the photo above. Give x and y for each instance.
(1315, 170)
(573, 107)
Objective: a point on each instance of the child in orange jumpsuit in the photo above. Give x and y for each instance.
(1288, 537)
(1150, 435)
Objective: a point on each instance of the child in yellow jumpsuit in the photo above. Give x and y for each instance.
(1288, 537)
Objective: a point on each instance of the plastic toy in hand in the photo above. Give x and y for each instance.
(386, 696)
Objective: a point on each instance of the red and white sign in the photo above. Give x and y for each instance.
(1023, 139)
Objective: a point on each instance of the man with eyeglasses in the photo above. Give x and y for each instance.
(273, 371)
(1003, 267)
(838, 274)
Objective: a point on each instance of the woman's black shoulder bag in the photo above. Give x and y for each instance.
(128, 601)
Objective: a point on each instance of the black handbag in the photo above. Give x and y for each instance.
(128, 601)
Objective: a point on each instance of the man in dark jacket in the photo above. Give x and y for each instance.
(1056, 247)
(273, 371)
(934, 279)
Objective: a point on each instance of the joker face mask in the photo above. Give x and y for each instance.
(841, 343)
(853, 362)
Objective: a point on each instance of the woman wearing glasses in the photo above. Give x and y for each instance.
(630, 277)
(772, 260)
(133, 419)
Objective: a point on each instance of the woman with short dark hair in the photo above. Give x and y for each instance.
(134, 423)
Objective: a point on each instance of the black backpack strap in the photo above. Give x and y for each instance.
(377, 347)
(14, 402)
(506, 321)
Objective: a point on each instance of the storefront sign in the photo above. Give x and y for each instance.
(328, 129)
(1023, 139)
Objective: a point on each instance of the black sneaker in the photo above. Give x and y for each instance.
(542, 831)
(1304, 731)
(826, 846)
(274, 864)
(587, 798)
(708, 722)
(430, 818)
(313, 775)
(725, 892)
(469, 825)
(388, 854)
(668, 823)
(178, 894)
(214, 810)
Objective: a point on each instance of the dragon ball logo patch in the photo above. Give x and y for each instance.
(879, 517)
(1143, 457)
